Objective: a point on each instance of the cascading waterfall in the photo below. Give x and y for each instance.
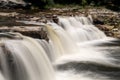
(88, 60)
(80, 28)
(60, 41)
(66, 36)
(66, 47)
(76, 50)
(24, 59)
(48, 49)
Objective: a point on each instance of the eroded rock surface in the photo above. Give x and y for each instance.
(106, 20)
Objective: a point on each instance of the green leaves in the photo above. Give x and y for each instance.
(44, 3)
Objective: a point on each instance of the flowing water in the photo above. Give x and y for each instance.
(82, 51)
(24, 59)
(76, 50)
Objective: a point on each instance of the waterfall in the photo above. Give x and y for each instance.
(80, 28)
(95, 58)
(1, 77)
(76, 50)
(66, 36)
(24, 59)
(60, 41)
(65, 47)
(48, 48)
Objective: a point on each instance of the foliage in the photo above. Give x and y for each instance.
(107, 3)
(40, 3)
(84, 2)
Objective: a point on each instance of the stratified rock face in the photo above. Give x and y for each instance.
(31, 31)
(14, 1)
(12, 4)
(22, 3)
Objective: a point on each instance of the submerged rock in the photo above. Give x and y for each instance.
(55, 19)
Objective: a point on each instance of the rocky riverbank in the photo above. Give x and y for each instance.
(106, 20)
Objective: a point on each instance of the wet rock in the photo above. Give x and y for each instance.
(55, 19)
(109, 33)
(116, 34)
(13, 5)
(32, 31)
(97, 20)
(105, 27)
(34, 19)
(105, 20)
(109, 30)
(9, 14)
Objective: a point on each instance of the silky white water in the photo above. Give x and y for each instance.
(75, 40)
(66, 36)
(66, 48)
(80, 28)
(76, 50)
(1, 77)
(24, 59)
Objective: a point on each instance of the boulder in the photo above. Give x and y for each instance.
(12, 5)
(105, 27)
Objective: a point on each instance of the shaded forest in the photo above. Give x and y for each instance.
(111, 4)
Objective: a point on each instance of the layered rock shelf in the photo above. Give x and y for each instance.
(32, 31)
(106, 20)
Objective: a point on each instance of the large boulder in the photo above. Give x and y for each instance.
(9, 4)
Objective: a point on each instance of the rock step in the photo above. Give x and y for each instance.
(31, 31)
